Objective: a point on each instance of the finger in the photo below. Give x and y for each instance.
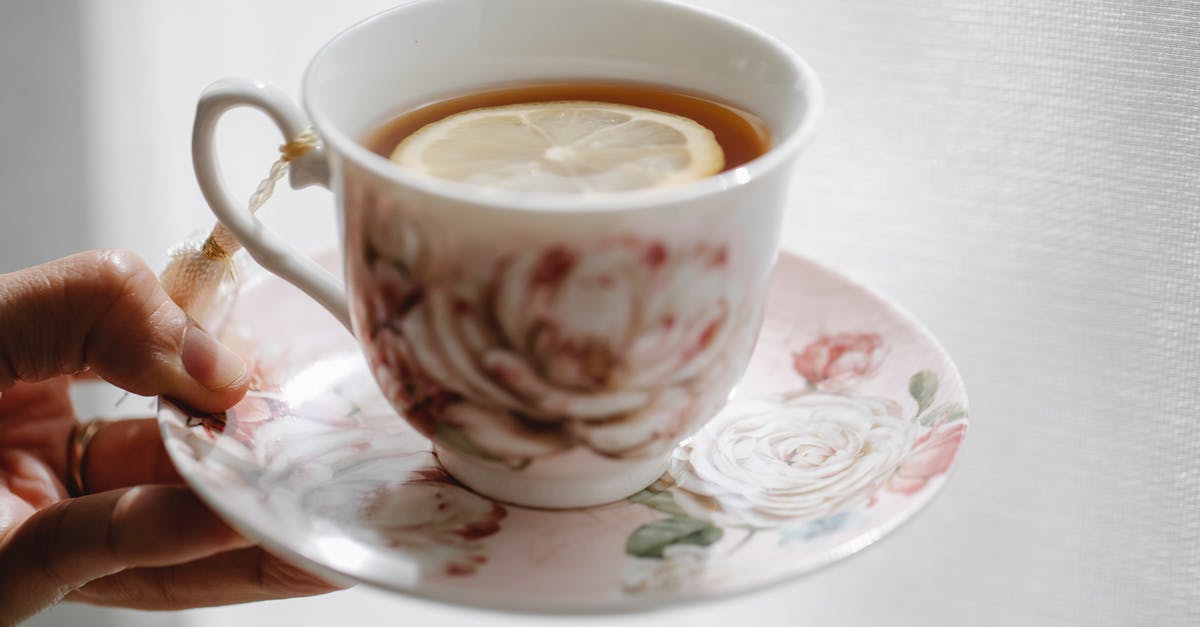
(127, 453)
(37, 418)
(105, 310)
(85, 375)
(234, 577)
(74, 541)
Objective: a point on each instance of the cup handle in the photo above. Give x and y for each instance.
(264, 246)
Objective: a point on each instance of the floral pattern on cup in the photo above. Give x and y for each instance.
(619, 347)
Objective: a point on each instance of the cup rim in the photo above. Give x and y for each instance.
(776, 156)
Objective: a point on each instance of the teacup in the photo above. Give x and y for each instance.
(555, 348)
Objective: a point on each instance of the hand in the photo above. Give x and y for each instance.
(138, 539)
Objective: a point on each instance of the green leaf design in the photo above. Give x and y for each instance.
(810, 530)
(661, 501)
(650, 539)
(950, 412)
(923, 386)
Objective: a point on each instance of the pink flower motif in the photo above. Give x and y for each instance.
(242, 421)
(618, 347)
(839, 361)
(931, 455)
(388, 492)
(433, 516)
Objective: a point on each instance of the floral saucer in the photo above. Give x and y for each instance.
(844, 426)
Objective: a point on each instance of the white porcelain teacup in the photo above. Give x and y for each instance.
(554, 347)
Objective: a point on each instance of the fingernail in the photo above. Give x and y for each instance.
(209, 362)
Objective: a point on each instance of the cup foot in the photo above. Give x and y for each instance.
(532, 489)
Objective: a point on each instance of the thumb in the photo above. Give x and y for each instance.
(64, 546)
(105, 310)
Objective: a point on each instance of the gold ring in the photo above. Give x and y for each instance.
(77, 451)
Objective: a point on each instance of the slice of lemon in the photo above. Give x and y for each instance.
(564, 147)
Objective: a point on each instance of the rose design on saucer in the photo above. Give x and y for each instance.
(933, 452)
(395, 496)
(617, 347)
(765, 464)
(433, 515)
(835, 362)
(799, 463)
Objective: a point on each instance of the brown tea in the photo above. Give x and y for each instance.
(742, 135)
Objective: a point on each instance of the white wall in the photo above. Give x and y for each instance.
(1020, 174)
(43, 212)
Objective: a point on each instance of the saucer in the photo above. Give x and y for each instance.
(845, 424)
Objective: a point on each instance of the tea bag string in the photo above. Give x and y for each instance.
(221, 244)
(200, 275)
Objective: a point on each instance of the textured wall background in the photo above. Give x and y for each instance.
(1023, 175)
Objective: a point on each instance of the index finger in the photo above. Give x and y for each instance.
(106, 310)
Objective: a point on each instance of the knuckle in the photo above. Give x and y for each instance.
(121, 545)
(134, 522)
(116, 271)
(112, 539)
(132, 318)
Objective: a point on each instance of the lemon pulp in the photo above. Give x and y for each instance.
(575, 147)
